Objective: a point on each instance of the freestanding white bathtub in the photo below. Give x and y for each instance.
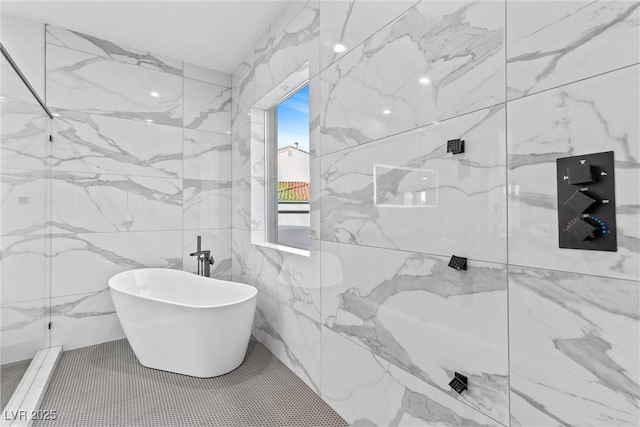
(179, 322)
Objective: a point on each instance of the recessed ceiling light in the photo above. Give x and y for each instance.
(149, 121)
(155, 94)
(55, 114)
(339, 48)
(424, 80)
(386, 112)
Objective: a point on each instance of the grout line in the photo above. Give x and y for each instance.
(49, 226)
(572, 82)
(432, 254)
(507, 224)
(317, 214)
(92, 293)
(368, 37)
(91, 113)
(120, 61)
(182, 242)
(504, 264)
(208, 83)
(505, 103)
(415, 129)
(529, 267)
(478, 260)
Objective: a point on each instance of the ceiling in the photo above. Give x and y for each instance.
(216, 34)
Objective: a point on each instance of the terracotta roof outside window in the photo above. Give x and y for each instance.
(293, 192)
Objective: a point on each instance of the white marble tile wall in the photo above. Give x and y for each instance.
(406, 192)
(207, 106)
(206, 155)
(436, 61)
(99, 144)
(368, 390)
(574, 349)
(11, 86)
(83, 262)
(97, 46)
(24, 221)
(346, 24)
(546, 336)
(414, 311)
(24, 328)
(24, 144)
(140, 165)
(573, 40)
(292, 337)
(85, 319)
(281, 51)
(78, 81)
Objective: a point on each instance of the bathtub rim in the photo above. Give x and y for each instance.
(240, 301)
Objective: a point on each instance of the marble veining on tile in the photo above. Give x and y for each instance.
(292, 337)
(24, 260)
(207, 155)
(241, 206)
(197, 72)
(207, 204)
(78, 256)
(289, 278)
(242, 93)
(436, 61)
(421, 198)
(97, 46)
(98, 144)
(85, 202)
(367, 390)
(279, 54)
(241, 153)
(83, 320)
(574, 351)
(24, 132)
(464, 328)
(98, 85)
(23, 331)
(24, 208)
(349, 23)
(552, 46)
(207, 106)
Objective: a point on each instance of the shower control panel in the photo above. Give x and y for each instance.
(586, 202)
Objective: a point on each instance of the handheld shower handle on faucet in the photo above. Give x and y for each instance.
(204, 259)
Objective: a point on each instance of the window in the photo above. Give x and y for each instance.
(287, 170)
(280, 166)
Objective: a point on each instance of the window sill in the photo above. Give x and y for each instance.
(289, 249)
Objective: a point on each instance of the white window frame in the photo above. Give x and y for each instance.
(263, 131)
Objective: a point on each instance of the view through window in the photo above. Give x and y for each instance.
(292, 165)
